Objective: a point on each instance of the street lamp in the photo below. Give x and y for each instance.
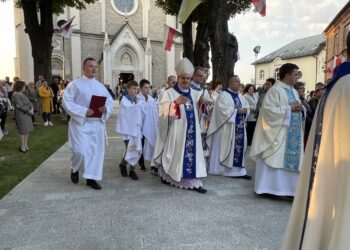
(256, 51)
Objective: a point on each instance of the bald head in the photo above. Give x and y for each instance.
(234, 83)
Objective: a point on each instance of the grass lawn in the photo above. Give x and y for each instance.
(42, 142)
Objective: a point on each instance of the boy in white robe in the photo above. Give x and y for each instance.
(149, 122)
(86, 133)
(129, 124)
(227, 139)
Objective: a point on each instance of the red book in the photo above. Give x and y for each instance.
(95, 103)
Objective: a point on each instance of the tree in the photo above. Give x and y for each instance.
(38, 22)
(211, 17)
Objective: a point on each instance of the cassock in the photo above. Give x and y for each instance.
(129, 125)
(86, 134)
(320, 217)
(277, 145)
(150, 120)
(227, 137)
(178, 152)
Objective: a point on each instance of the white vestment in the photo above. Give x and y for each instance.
(149, 124)
(86, 134)
(129, 125)
(221, 136)
(269, 144)
(328, 221)
(171, 137)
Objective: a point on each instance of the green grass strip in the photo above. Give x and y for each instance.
(42, 142)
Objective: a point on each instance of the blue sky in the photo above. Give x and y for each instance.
(285, 22)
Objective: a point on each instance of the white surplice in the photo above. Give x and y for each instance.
(150, 120)
(171, 137)
(328, 221)
(221, 136)
(269, 144)
(129, 125)
(86, 135)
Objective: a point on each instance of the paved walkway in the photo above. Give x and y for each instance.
(47, 211)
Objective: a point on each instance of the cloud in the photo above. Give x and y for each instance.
(285, 22)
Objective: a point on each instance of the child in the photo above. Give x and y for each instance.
(129, 124)
(149, 122)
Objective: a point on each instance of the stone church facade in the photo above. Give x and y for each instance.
(124, 36)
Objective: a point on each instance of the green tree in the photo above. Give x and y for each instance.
(212, 28)
(38, 22)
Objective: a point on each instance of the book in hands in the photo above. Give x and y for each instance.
(95, 103)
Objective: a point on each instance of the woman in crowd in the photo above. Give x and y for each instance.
(32, 95)
(46, 95)
(251, 97)
(23, 110)
(4, 105)
(60, 93)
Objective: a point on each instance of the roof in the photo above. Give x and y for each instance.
(338, 16)
(308, 46)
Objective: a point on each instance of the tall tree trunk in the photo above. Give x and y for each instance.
(222, 53)
(201, 46)
(40, 34)
(187, 39)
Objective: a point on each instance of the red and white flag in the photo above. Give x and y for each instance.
(169, 35)
(260, 6)
(336, 62)
(65, 29)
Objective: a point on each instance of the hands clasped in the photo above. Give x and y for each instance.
(296, 107)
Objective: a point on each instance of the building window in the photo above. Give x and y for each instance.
(336, 44)
(125, 7)
(261, 75)
(346, 30)
(277, 73)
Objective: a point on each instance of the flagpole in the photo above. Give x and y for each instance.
(63, 69)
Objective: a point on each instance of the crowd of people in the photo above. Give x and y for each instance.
(188, 128)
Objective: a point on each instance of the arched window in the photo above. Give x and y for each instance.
(277, 73)
(125, 7)
(262, 74)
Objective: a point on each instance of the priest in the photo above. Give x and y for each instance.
(277, 145)
(320, 216)
(178, 151)
(227, 138)
(86, 132)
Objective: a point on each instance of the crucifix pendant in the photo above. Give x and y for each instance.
(187, 105)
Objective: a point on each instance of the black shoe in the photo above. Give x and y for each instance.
(154, 170)
(93, 184)
(142, 167)
(123, 170)
(133, 175)
(74, 177)
(247, 177)
(20, 150)
(164, 182)
(200, 190)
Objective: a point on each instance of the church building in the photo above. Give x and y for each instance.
(124, 36)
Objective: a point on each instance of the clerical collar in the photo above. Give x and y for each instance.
(235, 92)
(132, 99)
(181, 90)
(87, 78)
(196, 86)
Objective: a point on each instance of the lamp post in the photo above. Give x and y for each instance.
(256, 51)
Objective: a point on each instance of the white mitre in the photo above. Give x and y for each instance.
(184, 66)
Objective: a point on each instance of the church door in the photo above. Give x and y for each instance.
(125, 77)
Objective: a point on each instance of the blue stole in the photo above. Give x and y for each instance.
(132, 99)
(293, 144)
(189, 160)
(197, 87)
(239, 132)
(342, 70)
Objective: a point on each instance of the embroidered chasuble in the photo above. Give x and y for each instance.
(293, 143)
(189, 160)
(239, 132)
